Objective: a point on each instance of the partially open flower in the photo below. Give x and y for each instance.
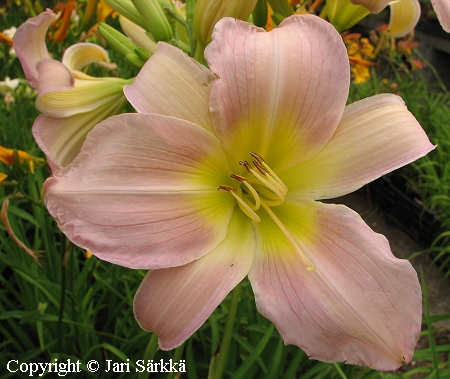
(71, 101)
(406, 13)
(344, 14)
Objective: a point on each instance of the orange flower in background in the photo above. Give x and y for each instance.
(5, 39)
(360, 53)
(10, 156)
(62, 22)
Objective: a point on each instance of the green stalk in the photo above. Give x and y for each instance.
(149, 354)
(339, 370)
(429, 326)
(62, 301)
(219, 364)
(176, 358)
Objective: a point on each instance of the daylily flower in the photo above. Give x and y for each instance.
(219, 176)
(344, 14)
(12, 156)
(408, 8)
(71, 101)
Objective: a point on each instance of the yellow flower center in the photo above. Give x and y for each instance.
(262, 189)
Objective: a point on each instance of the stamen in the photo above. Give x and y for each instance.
(276, 177)
(242, 204)
(244, 180)
(264, 168)
(269, 185)
(257, 157)
(309, 266)
(226, 188)
(255, 195)
(239, 178)
(259, 167)
(246, 165)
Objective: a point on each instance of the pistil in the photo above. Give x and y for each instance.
(309, 266)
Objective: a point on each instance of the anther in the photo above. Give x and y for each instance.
(239, 178)
(257, 157)
(246, 165)
(260, 168)
(226, 188)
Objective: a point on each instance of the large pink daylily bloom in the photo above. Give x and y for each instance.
(71, 101)
(441, 7)
(173, 189)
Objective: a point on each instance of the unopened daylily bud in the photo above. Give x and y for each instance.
(119, 42)
(134, 59)
(207, 13)
(128, 10)
(342, 14)
(138, 35)
(142, 53)
(154, 19)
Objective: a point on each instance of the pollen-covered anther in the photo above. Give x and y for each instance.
(246, 165)
(239, 178)
(226, 188)
(260, 168)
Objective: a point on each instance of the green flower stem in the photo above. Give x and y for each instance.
(149, 354)
(176, 358)
(217, 371)
(185, 24)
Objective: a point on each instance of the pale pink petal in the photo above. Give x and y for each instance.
(81, 54)
(61, 138)
(361, 305)
(279, 94)
(53, 76)
(172, 84)
(375, 6)
(175, 302)
(442, 9)
(29, 44)
(142, 193)
(375, 136)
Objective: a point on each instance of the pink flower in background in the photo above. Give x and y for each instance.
(71, 101)
(219, 177)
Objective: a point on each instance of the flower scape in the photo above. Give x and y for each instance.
(220, 175)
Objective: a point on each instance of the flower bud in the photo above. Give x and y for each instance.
(154, 19)
(128, 10)
(119, 42)
(207, 13)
